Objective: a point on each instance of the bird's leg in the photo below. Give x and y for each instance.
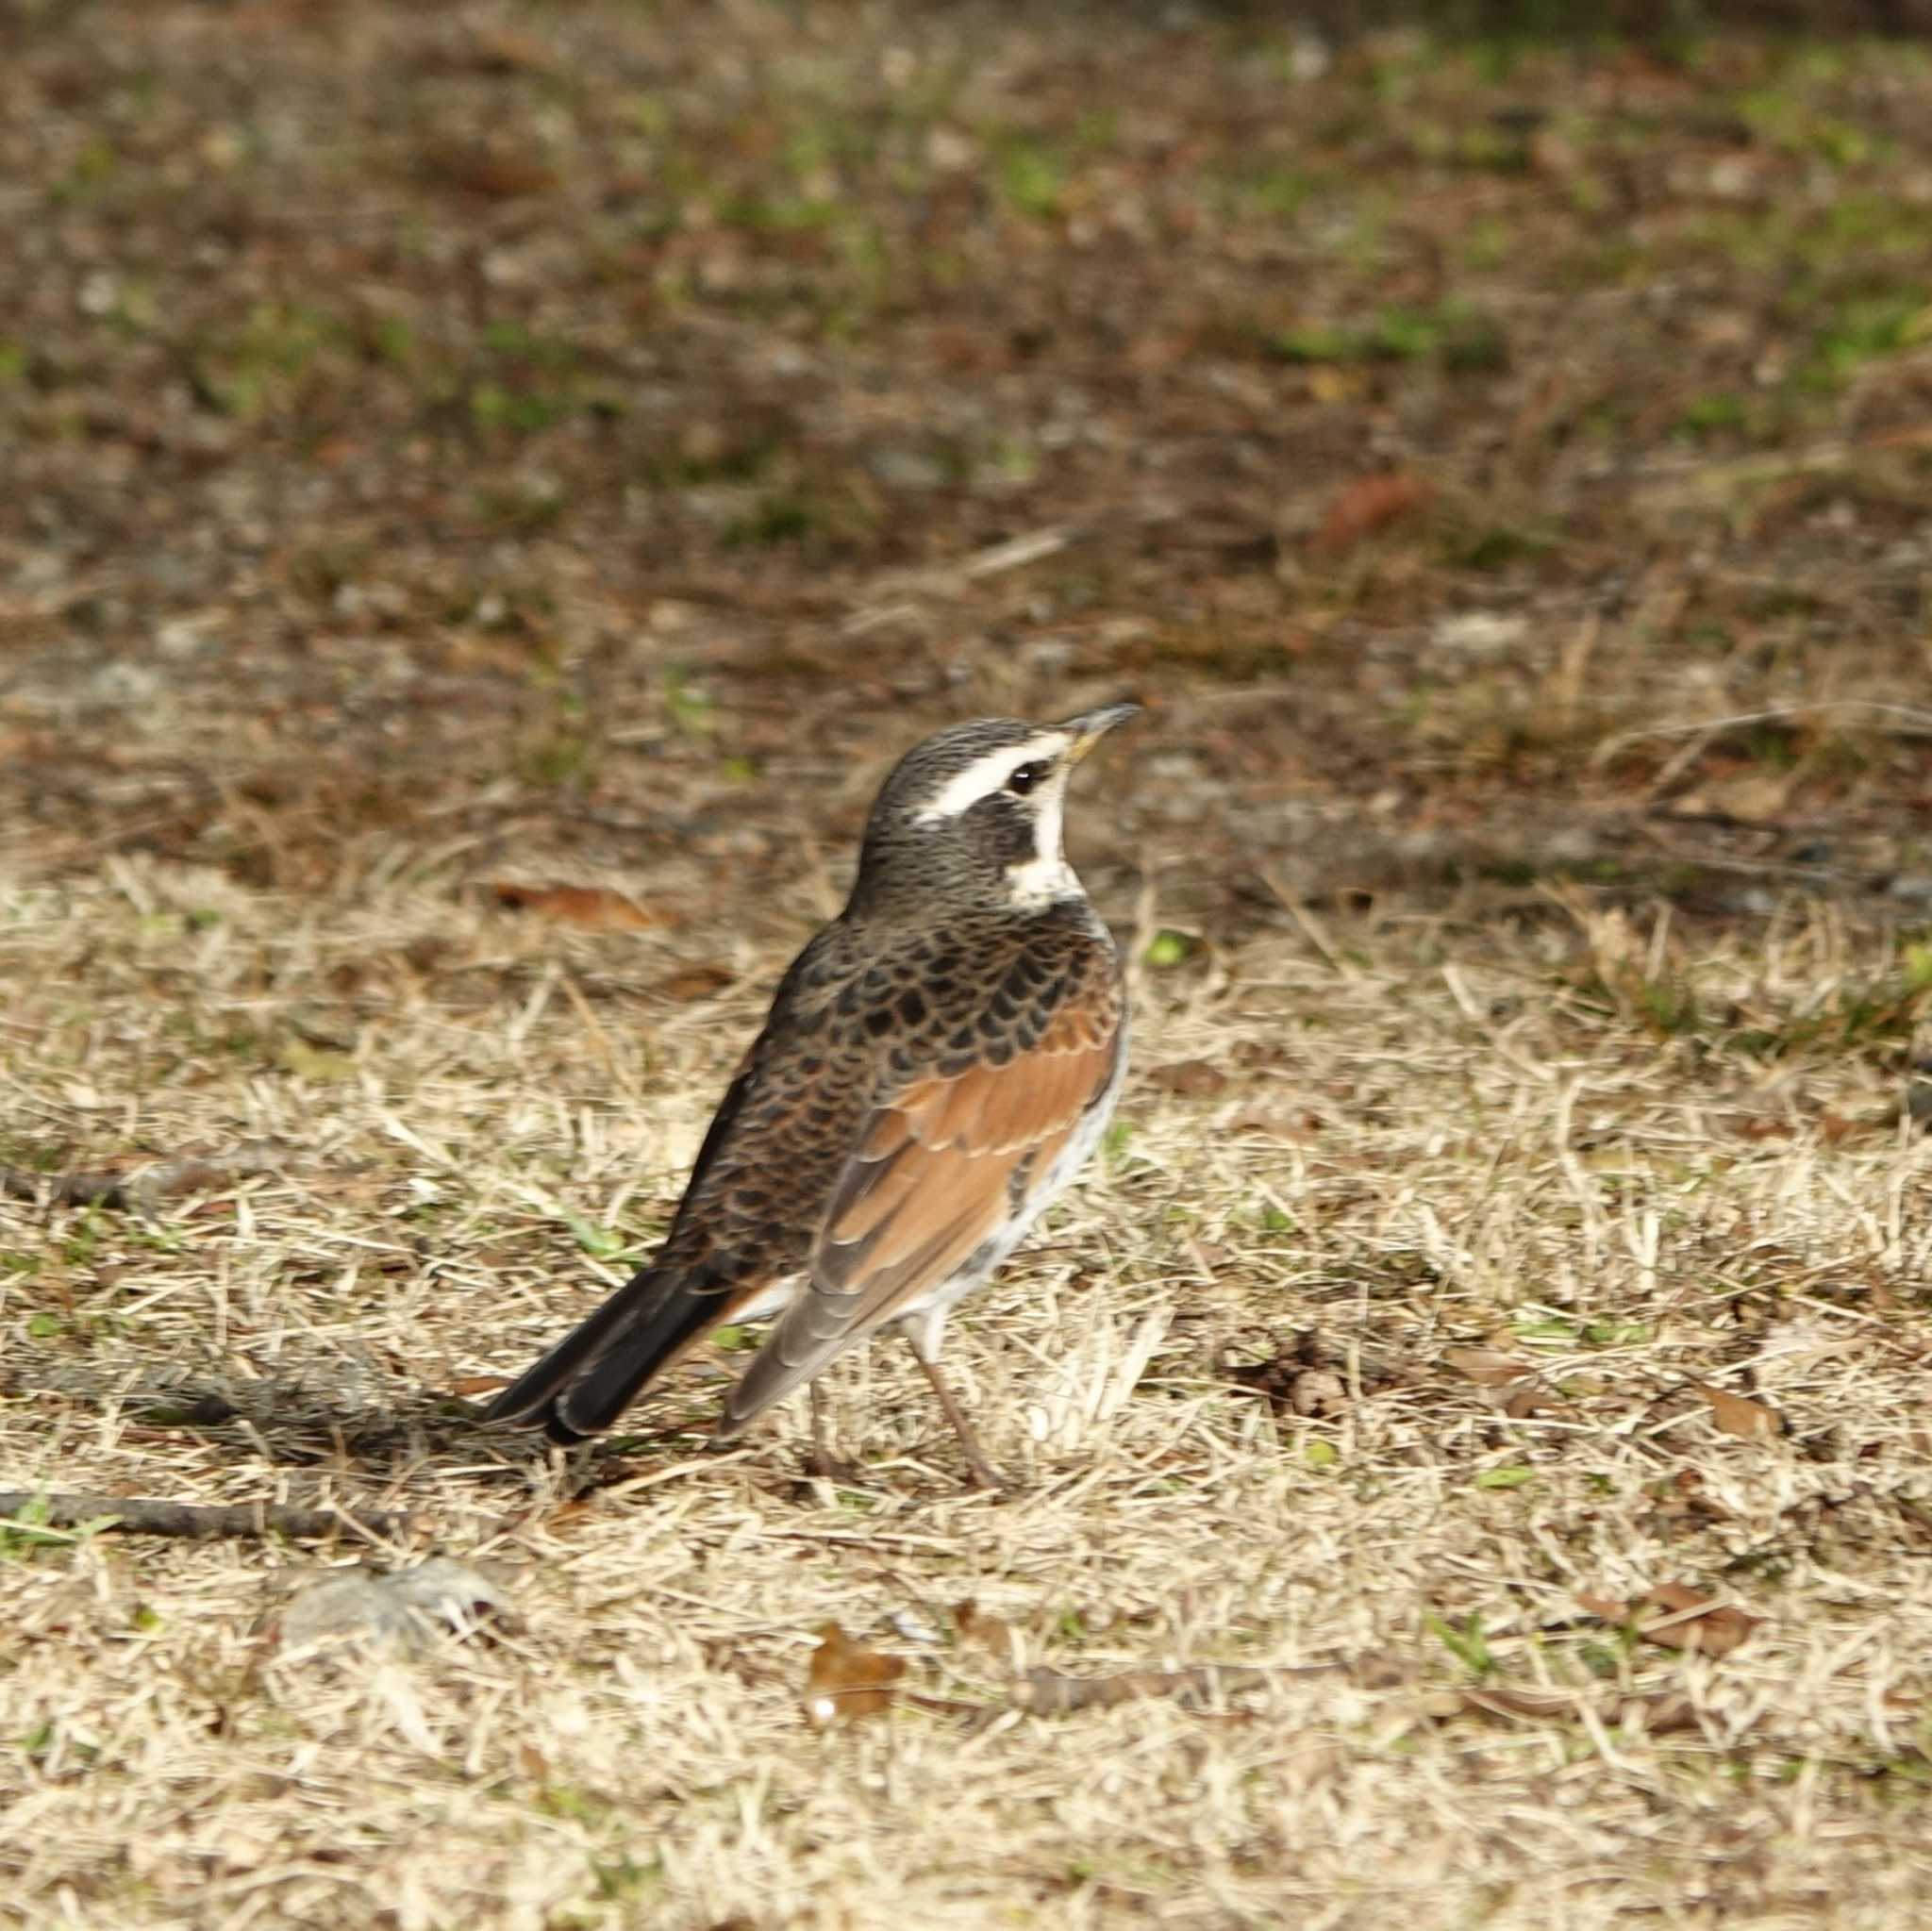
(977, 1463)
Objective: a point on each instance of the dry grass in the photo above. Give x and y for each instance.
(1463, 1150)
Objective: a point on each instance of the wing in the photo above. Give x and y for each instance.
(727, 1246)
(938, 1168)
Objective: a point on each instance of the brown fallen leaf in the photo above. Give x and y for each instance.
(1367, 505)
(503, 50)
(1676, 1616)
(1527, 1400)
(466, 1385)
(1738, 1414)
(1318, 1394)
(691, 983)
(1752, 797)
(1191, 1079)
(998, 1639)
(595, 908)
(1680, 1497)
(492, 174)
(1274, 1377)
(1487, 1367)
(846, 1681)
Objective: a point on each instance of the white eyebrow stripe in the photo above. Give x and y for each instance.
(966, 788)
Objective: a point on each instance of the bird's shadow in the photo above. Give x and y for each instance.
(410, 1448)
(392, 1441)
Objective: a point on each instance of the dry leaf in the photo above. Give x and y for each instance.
(1301, 1378)
(1367, 505)
(1318, 1394)
(532, 1761)
(1524, 1404)
(466, 1385)
(1487, 1366)
(1738, 1414)
(595, 908)
(492, 174)
(1192, 1079)
(1676, 1616)
(503, 50)
(1752, 797)
(998, 1639)
(1681, 1497)
(846, 1680)
(691, 983)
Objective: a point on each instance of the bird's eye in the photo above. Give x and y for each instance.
(1025, 778)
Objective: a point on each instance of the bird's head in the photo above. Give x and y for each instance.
(980, 807)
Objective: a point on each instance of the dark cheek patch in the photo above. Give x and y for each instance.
(1000, 831)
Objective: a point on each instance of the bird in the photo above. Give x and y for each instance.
(936, 1064)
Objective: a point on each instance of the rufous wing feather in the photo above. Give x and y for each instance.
(932, 1177)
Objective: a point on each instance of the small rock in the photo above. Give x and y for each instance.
(121, 681)
(904, 469)
(1481, 633)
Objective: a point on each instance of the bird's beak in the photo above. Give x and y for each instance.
(1089, 726)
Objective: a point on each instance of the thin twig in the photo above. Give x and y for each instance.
(141, 1187)
(1050, 1692)
(197, 1520)
(898, 595)
(1313, 929)
(1906, 720)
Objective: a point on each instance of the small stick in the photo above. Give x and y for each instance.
(138, 1187)
(199, 1522)
(1313, 929)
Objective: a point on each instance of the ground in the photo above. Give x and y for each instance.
(491, 489)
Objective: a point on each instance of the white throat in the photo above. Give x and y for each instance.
(1045, 877)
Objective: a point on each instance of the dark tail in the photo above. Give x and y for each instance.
(599, 1367)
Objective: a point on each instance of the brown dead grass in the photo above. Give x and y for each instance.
(1465, 1158)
